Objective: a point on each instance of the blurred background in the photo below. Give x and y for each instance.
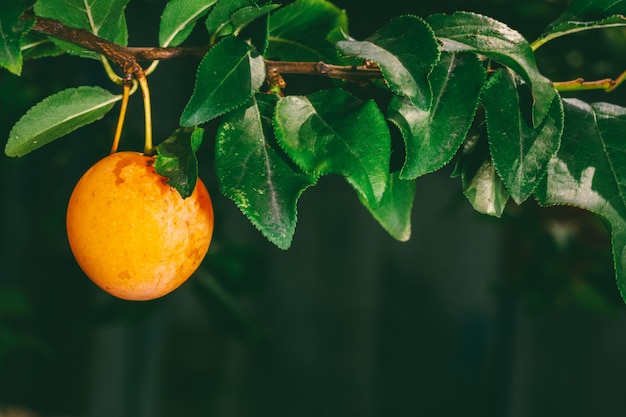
(474, 316)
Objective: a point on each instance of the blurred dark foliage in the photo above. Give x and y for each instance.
(61, 337)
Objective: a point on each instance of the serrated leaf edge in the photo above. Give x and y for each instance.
(231, 108)
(184, 24)
(17, 125)
(385, 73)
(542, 174)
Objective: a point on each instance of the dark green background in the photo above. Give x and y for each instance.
(472, 317)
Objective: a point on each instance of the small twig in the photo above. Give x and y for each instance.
(157, 54)
(353, 73)
(579, 84)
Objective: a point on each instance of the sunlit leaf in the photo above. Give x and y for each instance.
(569, 27)
(105, 19)
(249, 16)
(589, 10)
(482, 186)
(12, 29)
(301, 31)
(433, 135)
(227, 77)
(406, 51)
(246, 15)
(589, 171)
(179, 18)
(394, 210)
(470, 32)
(58, 115)
(218, 22)
(333, 132)
(254, 172)
(176, 159)
(519, 151)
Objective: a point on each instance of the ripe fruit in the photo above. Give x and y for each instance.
(133, 234)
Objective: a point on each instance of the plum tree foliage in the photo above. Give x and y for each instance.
(460, 89)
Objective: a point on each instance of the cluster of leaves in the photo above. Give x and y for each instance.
(461, 89)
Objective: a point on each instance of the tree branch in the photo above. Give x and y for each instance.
(353, 73)
(127, 57)
(118, 54)
(579, 84)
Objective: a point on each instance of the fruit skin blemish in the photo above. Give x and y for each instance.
(132, 234)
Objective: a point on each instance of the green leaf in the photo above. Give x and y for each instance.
(405, 50)
(246, 15)
(394, 210)
(433, 135)
(254, 172)
(590, 10)
(482, 186)
(218, 23)
(471, 32)
(256, 32)
(179, 18)
(333, 132)
(12, 29)
(585, 15)
(589, 170)
(227, 77)
(231, 17)
(35, 46)
(520, 152)
(102, 18)
(569, 27)
(176, 159)
(301, 31)
(58, 115)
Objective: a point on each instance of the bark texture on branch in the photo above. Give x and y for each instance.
(127, 58)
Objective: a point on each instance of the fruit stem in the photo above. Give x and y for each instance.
(120, 120)
(145, 92)
(152, 67)
(109, 71)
